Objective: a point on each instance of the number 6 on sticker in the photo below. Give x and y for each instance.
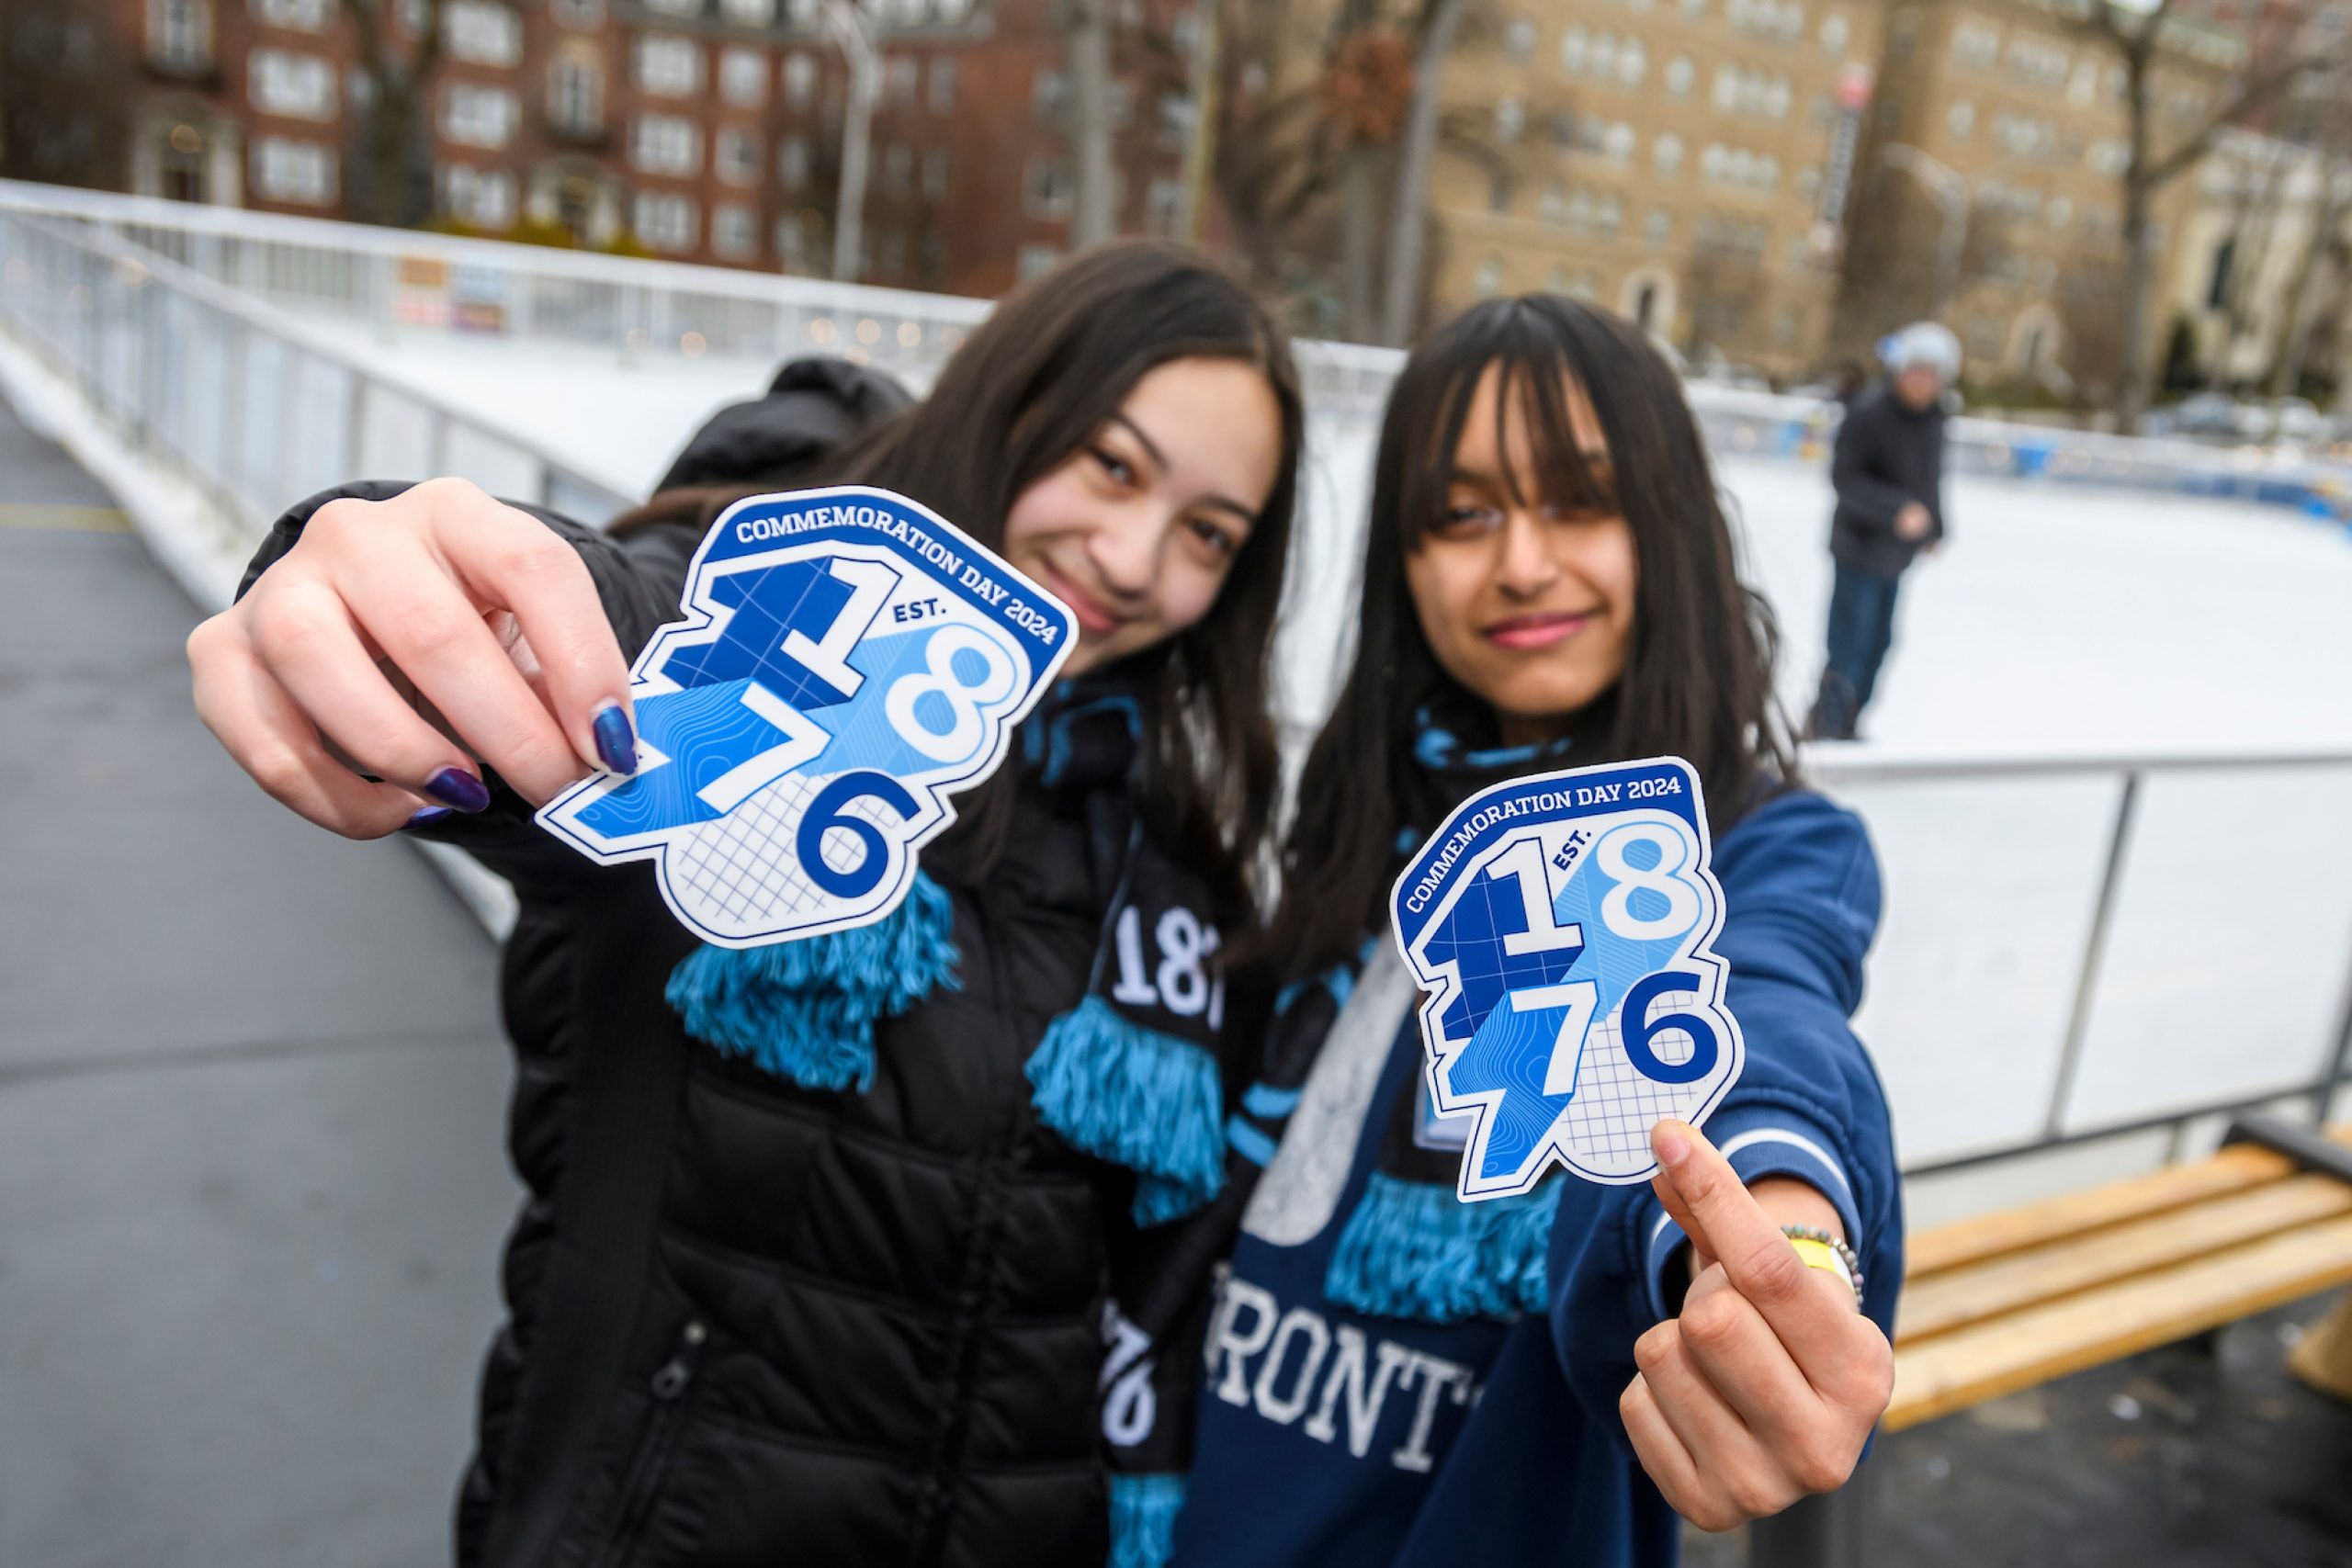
(1559, 926)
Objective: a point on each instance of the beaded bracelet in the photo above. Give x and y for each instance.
(1821, 1251)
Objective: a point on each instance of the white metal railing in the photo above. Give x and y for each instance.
(405, 280)
(2073, 945)
(2080, 945)
(228, 394)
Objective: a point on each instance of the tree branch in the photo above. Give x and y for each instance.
(2253, 91)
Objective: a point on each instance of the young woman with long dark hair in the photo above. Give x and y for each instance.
(821, 1238)
(1394, 1377)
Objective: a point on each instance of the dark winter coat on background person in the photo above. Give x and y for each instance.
(1886, 456)
(749, 1322)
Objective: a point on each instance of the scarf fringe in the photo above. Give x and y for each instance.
(1137, 1098)
(805, 1011)
(1414, 1250)
(1142, 1519)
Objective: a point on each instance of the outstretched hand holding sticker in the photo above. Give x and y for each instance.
(848, 659)
(1559, 926)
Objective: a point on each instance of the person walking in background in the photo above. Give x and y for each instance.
(1888, 470)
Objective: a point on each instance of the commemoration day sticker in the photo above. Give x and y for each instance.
(847, 660)
(1559, 926)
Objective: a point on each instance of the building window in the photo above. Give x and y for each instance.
(943, 84)
(1576, 49)
(576, 94)
(1047, 90)
(300, 173)
(179, 33)
(667, 66)
(1961, 118)
(743, 77)
(1975, 44)
(1047, 188)
(1618, 143)
(1490, 279)
(799, 80)
(734, 232)
(665, 145)
(1519, 39)
(1679, 75)
(748, 14)
(300, 86)
(1658, 227)
(897, 171)
(1500, 190)
(664, 220)
(1834, 31)
(1038, 260)
(934, 175)
(890, 248)
(1667, 153)
(305, 16)
(736, 153)
(478, 115)
(483, 32)
(792, 163)
(1633, 60)
(1511, 119)
(483, 198)
(899, 76)
(578, 12)
(1163, 206)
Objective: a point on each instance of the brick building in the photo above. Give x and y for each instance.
(1684, 162)
(1993, 189)
(706, 130)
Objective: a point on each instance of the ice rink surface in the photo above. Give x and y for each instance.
(2059, 615)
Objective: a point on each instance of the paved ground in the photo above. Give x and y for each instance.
(251, 1090)
(2205, 1454)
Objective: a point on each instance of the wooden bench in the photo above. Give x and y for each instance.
(2011, 1300)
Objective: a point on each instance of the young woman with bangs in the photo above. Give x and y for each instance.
(821, 1239)
(1396, 1378)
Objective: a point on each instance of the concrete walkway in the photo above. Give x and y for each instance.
(251, 1095)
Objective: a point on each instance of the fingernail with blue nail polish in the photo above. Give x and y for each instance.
(426, 816)
(457, 788)
(614, 741)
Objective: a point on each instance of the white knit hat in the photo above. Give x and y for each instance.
(1929, 343)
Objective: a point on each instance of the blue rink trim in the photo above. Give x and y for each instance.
(1137, 1098)
(1142, 1519)
(805, 1011)
(1413, 1249)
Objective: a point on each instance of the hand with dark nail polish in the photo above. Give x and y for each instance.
(458, 789)
(426, 816)
(615, 743)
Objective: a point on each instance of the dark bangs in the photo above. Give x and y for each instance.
(1428, 409)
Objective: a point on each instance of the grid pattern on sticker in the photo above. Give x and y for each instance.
(744, 866)
(1608, 1123)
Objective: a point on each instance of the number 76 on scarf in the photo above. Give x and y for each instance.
(1559, 926)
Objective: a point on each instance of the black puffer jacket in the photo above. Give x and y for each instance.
(1887, 455)
(752, 1325)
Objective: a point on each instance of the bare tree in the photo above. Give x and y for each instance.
(2136, 37)
(1409, 206)
(391, 170)
(2330, 122)
(1093, 217)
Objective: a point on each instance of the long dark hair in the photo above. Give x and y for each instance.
(1698, 676)
(1026, 390)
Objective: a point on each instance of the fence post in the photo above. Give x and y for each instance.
(2094, 951)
